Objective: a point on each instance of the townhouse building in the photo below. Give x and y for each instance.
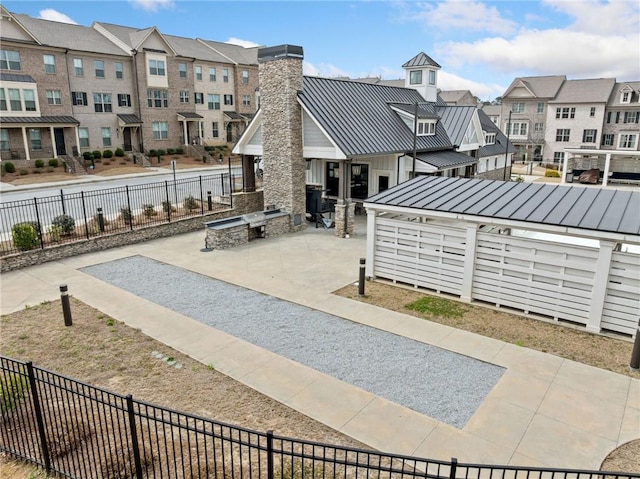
(621, 130)
(66, 89)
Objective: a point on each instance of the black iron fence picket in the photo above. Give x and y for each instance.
(109, 210)
(82, 431)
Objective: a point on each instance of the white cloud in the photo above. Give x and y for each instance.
(323, 70)
(242, 43)
(51, 14)
(152, 5)
(450, 81)
(615, 17)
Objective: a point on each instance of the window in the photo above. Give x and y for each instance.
(432, 77)
(157, 98)
(617, 117)
(631, 116)
(184, 96)
(124, 99)
(589, 136)
(489, 138)
(609, 117)
(160, 130)
(83, 134)
(4, 139)
(540, 108)
(14, 99)
(198, 98)
(106, 136)
(332, 178)
(627, 141)
(98, 67)
(182, 70)
(565, 112)
(538, 127)
(3, 100)
(198, 72)
(625, 97)
(562, 134)
(225, 75)
(53, 97)
(102, 103)
(426, 127)
(156, 68)
(29, 100)
(49, 63)
(228, 99)
(79, 98)
(558, 156)
(246, 100)
(215, 132)
(592, 112)
(77, 67)
(119, 70)
(213, 101)
(415, 77)
(359, 180)
(517, 107)
(212, 74)
(518, 128)
(245, 76)
(35, 139)
(607, 140)
(9, 60)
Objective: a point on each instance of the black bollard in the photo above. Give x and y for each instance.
(100, 220)
(635, 353)
(361, 278)
(66, 307)
(209, 201)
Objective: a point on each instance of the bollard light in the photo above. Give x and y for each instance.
(66, 307)
(361, 277)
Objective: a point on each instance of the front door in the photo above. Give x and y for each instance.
(126, 134)
(230, 133)
(61, 149)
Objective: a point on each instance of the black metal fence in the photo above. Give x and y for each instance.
(81, 431)
(68, 217)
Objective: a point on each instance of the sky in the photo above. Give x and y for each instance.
(481, 45)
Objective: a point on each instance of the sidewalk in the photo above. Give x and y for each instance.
(544, 411)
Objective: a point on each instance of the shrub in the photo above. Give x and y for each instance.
(119, 152)
(190, 203)
(9, 167)
(38, 163)
(171, 151)
(551, 174)
(209, 148)
(53, 162)
(97, 154)
(87, 155)
(107, 154)
(55, 233)
(66, 223)
(179, 151)
(167, 206)
(24, 171)
(161, 152)
(13, 389)
(153, 153)
(25, 236)
(149, 211)
(126, 215)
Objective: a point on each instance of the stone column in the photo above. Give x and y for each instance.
(280, 70)
(345, 216)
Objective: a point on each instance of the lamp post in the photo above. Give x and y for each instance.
(506, 148)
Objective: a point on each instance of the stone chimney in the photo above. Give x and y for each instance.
(280, 71)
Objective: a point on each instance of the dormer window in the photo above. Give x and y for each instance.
(415, 77)
(490, 138)
(625, 97)
(426, 127)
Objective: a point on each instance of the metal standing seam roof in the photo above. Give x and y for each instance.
(501, 145)
(39, 119)
(421, 60)
(456, 120)
(190, 115)
(16, 78)
(359, 119)
(129, 119)
(595, 209)
(446, 159)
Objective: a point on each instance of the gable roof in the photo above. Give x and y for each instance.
(455, 120)
(421, 60)
(634, 86)
(575, 207)
(455, 96)
(501, 144)
(585, 91)
(360, 120)
(131, 37)
(446, 159)
(233, 53)
(540, 87)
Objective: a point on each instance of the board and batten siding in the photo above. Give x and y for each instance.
(560, 281)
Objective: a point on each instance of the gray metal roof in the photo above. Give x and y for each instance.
(359, 119)
(541, 86)
(128, 119)
(456, 120)
(189, 115)
(421, 60)
(39, 119)
(595, 209)
(585, 91)
(233, 115)
(444, 160)
(501, 143)
(67, 35)
(16, 78)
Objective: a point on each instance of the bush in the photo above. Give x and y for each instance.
(153, 153)
(126, 215)
(38, 163)
(190, 203)
(167, 206)
(171, 151)
(9, 167)
(54, 163)
(13, 389)
(161, 152)
(66, 223)
(97, 154)
(179, 151)
(209, 148)
(25, 236)
(551, 174)
(107, 154)
(149, 211)
(87, 155)
(119, 152)
(55, 233)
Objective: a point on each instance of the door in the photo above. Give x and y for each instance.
(381, 180)
(126, 134)
(230, 133)
(61, 149)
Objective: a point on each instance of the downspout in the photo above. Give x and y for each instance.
(135, 76)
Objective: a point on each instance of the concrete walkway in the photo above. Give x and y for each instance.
(544, 411)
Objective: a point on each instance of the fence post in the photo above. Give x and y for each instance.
(41, 429)
(201, 196)
(270, 455)
(454, 466)
(129, 206)
(134, 437)
(84, 214)
(168, 203)
(64, 210)
(40, 232)
(222, 183)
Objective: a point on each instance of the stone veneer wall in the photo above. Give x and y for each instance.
(497, 174)
(284, 172)
(348, 212)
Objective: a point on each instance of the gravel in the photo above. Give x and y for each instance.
(438, 383)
